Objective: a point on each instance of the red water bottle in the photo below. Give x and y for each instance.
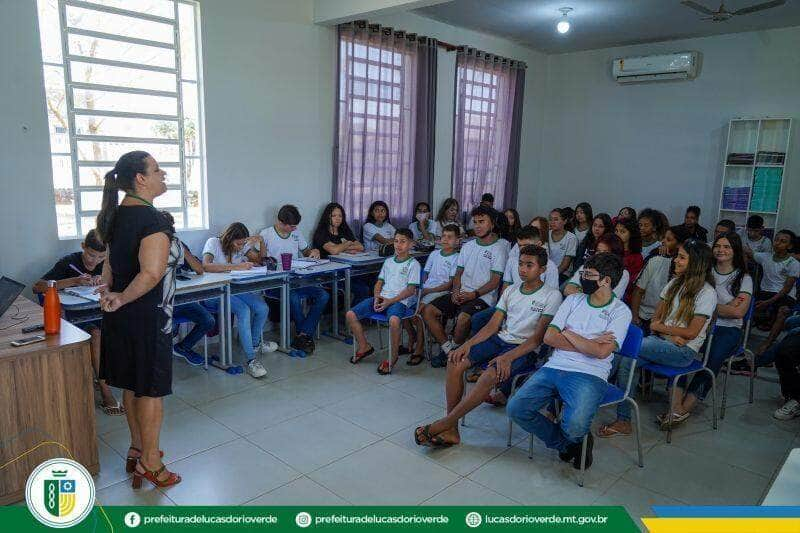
(52, 310)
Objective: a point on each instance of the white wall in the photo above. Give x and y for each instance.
(663, 144)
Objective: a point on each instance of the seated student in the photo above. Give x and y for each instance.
(526, 236)
(601, 225)
(753, 237)
(780, 272)
(508, 344)
(84, 268)
(734, 290)
(440, 268)
(584, 333)
(651, 230)
(481, 264)
(235, 249)
(724, 226)
(608, 243)
(194, 312)
(766, 352)
(378, 228)
(654, 277)
(628, 232)
(626, 213)
(583, 221)
(281, 238)
(691, 222)
(394, 295)
(543, 225)
(514, 225)
(421, 227)
(448, 214)
(679, 324)
(563, 245)
(333, 236)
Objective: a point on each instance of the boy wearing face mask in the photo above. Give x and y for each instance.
(421, 227)
(586, 330)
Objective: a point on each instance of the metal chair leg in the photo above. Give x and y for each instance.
(752, 375)
(583, 459)
(530, 446)
(669, 414)
(638, 430)
(713, 398)
(725, 389)
(510, 430)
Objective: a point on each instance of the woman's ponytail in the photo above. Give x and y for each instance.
(121, 178)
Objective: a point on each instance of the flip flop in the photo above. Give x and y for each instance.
(608, 431)
(359, 356)
(112, 410)
(385, 368)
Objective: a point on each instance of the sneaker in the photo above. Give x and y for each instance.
(268, 347)
(189, 355)
(741, 368)
(447, 346)
(256, 369)
(790, 409)
(439, 360)
(305, 343)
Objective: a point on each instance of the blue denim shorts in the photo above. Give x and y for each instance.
(494, 346)
(364, 309)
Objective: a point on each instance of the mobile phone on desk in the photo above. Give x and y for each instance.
(27, 340)
(31, 329)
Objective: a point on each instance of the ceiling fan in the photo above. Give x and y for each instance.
(722, 14)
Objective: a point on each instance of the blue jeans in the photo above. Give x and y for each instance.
(725, 341)
(480, 319)
(251, 314)
(365, 308)
(792, 327)
(318, 299)
(654, 350)
(580, 393)
(197, 314)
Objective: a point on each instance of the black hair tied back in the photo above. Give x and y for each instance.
(120, 178)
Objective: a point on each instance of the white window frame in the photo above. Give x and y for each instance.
(72, 112)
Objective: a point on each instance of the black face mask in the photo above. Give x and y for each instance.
(589, 286)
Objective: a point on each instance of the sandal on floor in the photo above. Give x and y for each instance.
(385, 368)
(434, 441)
(609, 430)
(402, 350)
(415, 359)
(131, 460)
(677, 418)
(112, 410)
(152, 477)
(359, 356)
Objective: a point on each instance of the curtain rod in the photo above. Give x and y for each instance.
(447, 46)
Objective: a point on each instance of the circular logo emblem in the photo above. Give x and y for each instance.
(133, 519)
(302, 519)
(473, 519)
(60, 493)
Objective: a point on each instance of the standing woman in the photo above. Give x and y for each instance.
(583, 220)
(139, 276)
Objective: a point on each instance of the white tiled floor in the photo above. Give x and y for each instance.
(322, 431)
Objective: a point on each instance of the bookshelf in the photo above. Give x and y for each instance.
(754, 170)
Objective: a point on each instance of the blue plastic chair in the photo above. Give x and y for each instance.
(630, 348)
(740, 350)
(382, 320)
(672, 374)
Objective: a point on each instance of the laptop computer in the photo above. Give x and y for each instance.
(9, 290)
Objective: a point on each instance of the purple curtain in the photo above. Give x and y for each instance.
(385, 118)
(486, 136)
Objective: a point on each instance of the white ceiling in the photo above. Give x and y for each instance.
(603, 23)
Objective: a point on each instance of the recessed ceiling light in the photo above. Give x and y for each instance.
(563, 25)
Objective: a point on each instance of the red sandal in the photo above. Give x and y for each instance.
(152, 477)
(131, 460)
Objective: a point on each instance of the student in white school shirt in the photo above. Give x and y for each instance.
(563, 244)
(284, 238)
(422, 227)
(448, 214)
(394, 296)
(584, 333)
(608, 243)
(378, 228)
(679, 326)
(753, 237)
(778, 281)
(481, 264)
(235, 249)
(508, 344)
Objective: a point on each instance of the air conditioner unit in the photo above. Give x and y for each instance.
(677, 66)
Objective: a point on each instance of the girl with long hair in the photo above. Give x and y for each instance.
(512, 216)
(448, 214)
(628, 231)
(601, 225)
(563, 243)
(679, 324)
(583, 220)
(378, 228)
(333, 236)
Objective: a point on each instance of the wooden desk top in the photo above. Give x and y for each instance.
(69, 335)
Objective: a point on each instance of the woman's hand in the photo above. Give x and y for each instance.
(111, 301)
(247, 265)
(314, 254)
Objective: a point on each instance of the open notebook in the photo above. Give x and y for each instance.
(86, 293)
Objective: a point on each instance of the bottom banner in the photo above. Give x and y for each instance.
(172, 519)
